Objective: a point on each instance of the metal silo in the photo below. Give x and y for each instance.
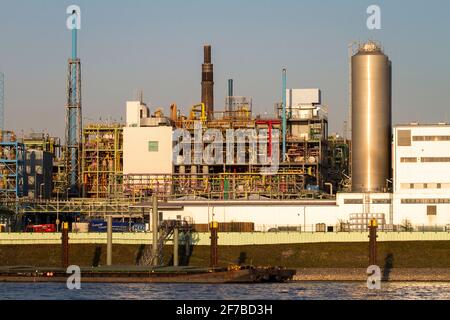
(371, 119)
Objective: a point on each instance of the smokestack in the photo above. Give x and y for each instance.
(208, 83)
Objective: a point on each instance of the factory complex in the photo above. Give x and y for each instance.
(276, 172)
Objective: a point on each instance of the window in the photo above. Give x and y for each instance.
(381, 201)
(431, 210)
(435, 159)
(404, 138)
(431, 138)
(153, 146)
(353, 201)
(408, 159)
(425, 201)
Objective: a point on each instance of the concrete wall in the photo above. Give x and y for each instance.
(231, 239)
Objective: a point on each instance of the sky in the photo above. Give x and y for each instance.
(157, 46)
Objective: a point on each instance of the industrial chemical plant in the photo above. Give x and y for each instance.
(322, 182)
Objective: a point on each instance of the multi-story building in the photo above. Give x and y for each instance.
(421, 167)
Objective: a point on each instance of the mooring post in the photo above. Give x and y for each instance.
(65, 245)
(214, 227)
(373, 225)
(175, 247)
(109, 242)
(155, 230)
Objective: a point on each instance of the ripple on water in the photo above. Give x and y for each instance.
(286, 291)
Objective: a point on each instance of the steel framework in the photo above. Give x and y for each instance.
(12, 168)
(73, 120)
(102, 156)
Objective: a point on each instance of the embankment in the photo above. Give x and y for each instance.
(342, 255)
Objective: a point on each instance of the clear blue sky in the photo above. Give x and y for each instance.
(156, 46)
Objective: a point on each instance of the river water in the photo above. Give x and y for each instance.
(286, 291)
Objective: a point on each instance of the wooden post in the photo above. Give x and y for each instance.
(214, 259)
(373, 225)
(65, 246)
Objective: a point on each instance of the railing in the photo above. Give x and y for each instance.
(339, 228)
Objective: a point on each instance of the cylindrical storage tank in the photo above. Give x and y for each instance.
(371, 119)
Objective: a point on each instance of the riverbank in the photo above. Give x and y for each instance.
(359, 274)
(391, 255)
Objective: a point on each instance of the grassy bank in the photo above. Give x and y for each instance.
(426, 254)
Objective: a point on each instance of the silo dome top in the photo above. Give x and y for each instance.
(371, 47)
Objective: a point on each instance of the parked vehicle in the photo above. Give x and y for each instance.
(102, 226)
(43, 228)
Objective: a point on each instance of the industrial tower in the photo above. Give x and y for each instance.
(2, 101)
(73, 120)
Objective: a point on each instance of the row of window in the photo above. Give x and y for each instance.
(404, 138)
(424, 201)
(424, 185)
(373, 201)
(424, 159)
(431, 138)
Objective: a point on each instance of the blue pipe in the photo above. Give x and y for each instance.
(283, 116)
(230, 87)
(74, 43)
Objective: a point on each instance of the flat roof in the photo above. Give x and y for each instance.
(415, 125)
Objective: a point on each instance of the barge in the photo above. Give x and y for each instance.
(136, 274)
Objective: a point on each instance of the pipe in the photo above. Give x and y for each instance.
(230, 87)
(331, 187)
(155, 230)
(230, 94)
(173, 112)
(175, 247)
(109, 242)
(283, 116)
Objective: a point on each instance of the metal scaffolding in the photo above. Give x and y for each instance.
(102, 155)
(12, 167)
(73, 121)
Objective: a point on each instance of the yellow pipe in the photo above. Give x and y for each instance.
(203, 111)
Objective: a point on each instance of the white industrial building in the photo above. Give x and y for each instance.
(147, 142)
(421, 174)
